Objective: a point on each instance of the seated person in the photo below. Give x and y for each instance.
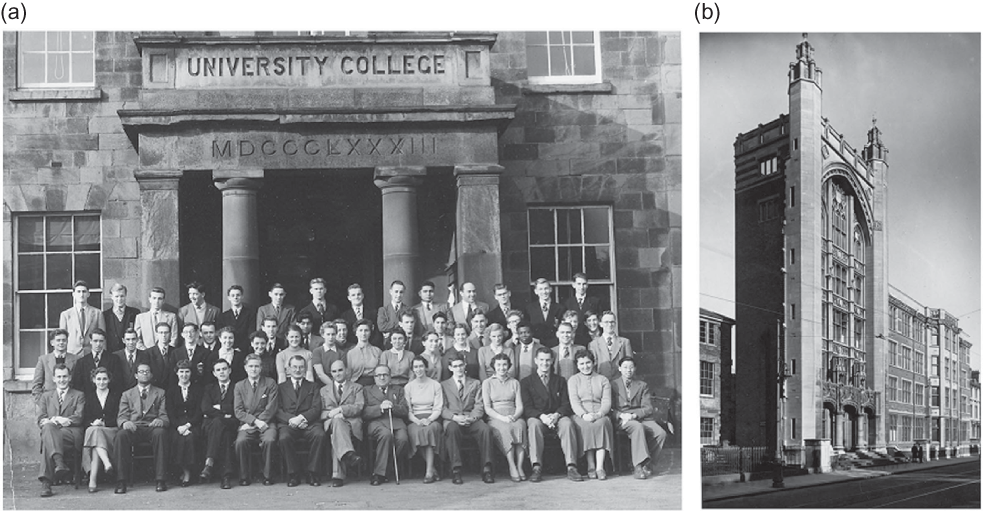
(142, 417)
(546, 406)
(398, 358)
(184, 412)
(424, 402)
(341, 410)
(462, 414)
(632, 412)
(295, 338)
(256, 402)
(384, 413)
(503, 409)
(60, 420)
(590, 399)
(218, 408)
(99, 418)
(299, 416)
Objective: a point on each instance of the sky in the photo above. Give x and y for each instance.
(923, 89)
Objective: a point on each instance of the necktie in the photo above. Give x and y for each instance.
(580, 303)
(460, 389)
(184, 393)
(82, 320)
(566, 352)
(470, 314)
(96, 358)
(163, 352)
(130, 358)
(143, 394)
(156, 320)
(61, 397)
(224, 389)
(276, 312)
(254, 386)
(341, 387)
(320, 309)
(628, 389)
(296, 385)
(191, 353)
(235, 312)
(546, 380)
(525, 348)
(358, 312)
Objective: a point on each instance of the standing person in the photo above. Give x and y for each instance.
(385, 413)
(44, 372)
(462, 412)
(633, 413)
(97, 357)
(99, 417)
(504, 304)
(142, 417)
(513, 317)
(357, 311)
(463, 311)
(431, 353)
(389, 314)
(227, 352)
(581, 337)
(80, 319)
(544, 314)
(445, 335)
(60, 421)
(191, 351)
(565, 353)
(610, 347)
(209, 336)
(184, 411)
(478, 336)
(256, 402)
(546, 406)
(424, 404)
(525, 352)
(299, 416)
(590, 399)
(197, 311)
(275, 342)
(341, 410)
(146, 322)
(503, 409)
(398, 359)
(580, 302)
(119, 318)
(239, 316)
(592, 320)
(407, 323)
(363, 357)
(326, 354)
(486, 355)
(425, 310)
(276, 309)
(463, 349)
(319, 308)
(342, 340)
(220, 423)
(129, 358)
(294, 348)
(308, 339)
(159, 357)
(259, 344)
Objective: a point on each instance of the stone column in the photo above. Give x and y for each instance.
(862, 425)
(159, 263)
(838, 441)
(240, 232)
(479, 228)
(400, 234)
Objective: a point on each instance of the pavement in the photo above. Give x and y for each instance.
(21, 489)
(720, 492)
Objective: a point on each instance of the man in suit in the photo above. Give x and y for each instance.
(341, 410)
(504, 303)
(565, 353)
(544, 314)
(580, 301)
(129, 357)
(464, 310)
(98, 357)
(319, 309)
(609, 348)
(193, 352)
(525, 351)
(142, 417)
(60, 420)
(119, 318)
(220, 424)
(581, 336)
(44, 372)
(159, 357)
(461, 348)
(277, 309)
(198, 311)
(80, 319)
(327, 353)
(462, 414)
(146, 322)
(385, 406)
(388, 316)
(426, 309)
(309, 340)
(407, 324)
(478, 338)
(299, 416)
(209, 335)
(632, 412)
(546, 406)
(357, 311)
(240, 317)
(256, 401)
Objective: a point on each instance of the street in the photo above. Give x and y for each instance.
(955, 485)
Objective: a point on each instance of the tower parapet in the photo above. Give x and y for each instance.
(804, 67)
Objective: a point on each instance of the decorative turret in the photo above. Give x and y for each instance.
(874, 149)
(804, 67)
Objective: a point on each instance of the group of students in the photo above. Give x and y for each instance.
(414, 381)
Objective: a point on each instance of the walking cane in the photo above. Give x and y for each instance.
(395, 461)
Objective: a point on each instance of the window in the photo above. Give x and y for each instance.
(706, 378)
(791, 197)
(905, 428)
(792, 256)
(55, 59)
(769, 209)
(935, 365)
(706, 431)
(892, 388)
(935, 395)
(564, 241)
(794, 429)
(892, 428)
(919, 428)
(906, 391)
(919, 363)
(892, 355)
(919, 394)
(768, 167)
(563, 57)
(906, 358)
(708, 333)
(52, 252)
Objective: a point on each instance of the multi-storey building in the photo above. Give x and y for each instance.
(716, 378)
(907, 387)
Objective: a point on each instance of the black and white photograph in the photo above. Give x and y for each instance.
(839, 270)
(371, 270)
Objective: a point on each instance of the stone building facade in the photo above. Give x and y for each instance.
(716, 379)
(155, 159)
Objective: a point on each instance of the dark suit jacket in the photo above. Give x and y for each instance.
(591, 303)
(182, 412)
(472, 403)
(212, 395)
(128, 372)
(116, 328)
(93, 410)
(470, 358)
(198, 368)
(639, 402)
(44, 373)
(282, 322)
(71, 408)
(238, 366)
(153, 407)
(307, 402)
(330, 313)
(374, 398)
(161, 366)
(538, 399)
(544, 329)
(82, 374)
(260, 404)
(243, 326)
(349, 316)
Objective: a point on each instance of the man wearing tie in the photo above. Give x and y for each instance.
(193, 352)
(160, 359)
(341, 410)
(299, 416)
(388, 317)
(462, 414)
(146, 322)
(525, 351)
(198, 311)
(81, 319)
(142, 417)
(98, 357)
(256, 400)
(44, 372)
(385, 406)
(240, 317)
(464, 310)
(546, 406)
(277, 309)
(609, 348)
(543, 314)
(220, 425)
(60, 421)
(319, 309)
(426, 309)
(119, 318)
(632, 411)
(565, 353)
(580, 301)
(129, 358)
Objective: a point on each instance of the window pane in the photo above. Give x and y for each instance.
(30, 234)
(57, 68)
(535, 37)
(541, 263)
(87, 269)
(583, 60)
(595, 225)
(59, 234)
(536, 62)
(541, 226)
(563, 263)
(30, 272)
(82, 68)
(571, 260)
(87, 233)
(57, 302)
(32, 68)
(31, 344)
(58, 41)
(560, 61)
(583, 37)
(598, 262)
(59, 271)
(568, 228)
(95, 299)
(559, 37)
(32, 311)
(31, 41)
(81, 41)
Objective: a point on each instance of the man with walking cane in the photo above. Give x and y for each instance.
(384, 403)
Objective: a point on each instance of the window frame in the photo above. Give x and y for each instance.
(708, 439)
(707, 366)
(595, 78)
(70, 84)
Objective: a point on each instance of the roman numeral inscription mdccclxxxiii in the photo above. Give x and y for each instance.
(325, 147)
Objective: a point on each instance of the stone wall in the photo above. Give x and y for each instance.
(616, 144)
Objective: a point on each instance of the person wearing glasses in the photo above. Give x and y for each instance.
(610, 347)
(384, 413)
(142, 417)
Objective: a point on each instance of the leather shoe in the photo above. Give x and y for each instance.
(61, 471)
(46, 488)
(313, 480)
(185, 484)
(226, 483)
(206, 473)
(573, 475)
(488, 477)
(537, 474)
(245, 482)
(375, 480)
(591, 474)
(161, 486)
(601, 474)
(292, 482)
(120, 488)
(429, 479)
(337, 483)
(456, 476)
(351, 459)
(267, 481)
(640, 472)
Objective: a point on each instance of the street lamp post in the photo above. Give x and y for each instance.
(778, 481)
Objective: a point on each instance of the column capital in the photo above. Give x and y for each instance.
(478, 174)
(157, 179)
(238, 179)
(406, 176)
